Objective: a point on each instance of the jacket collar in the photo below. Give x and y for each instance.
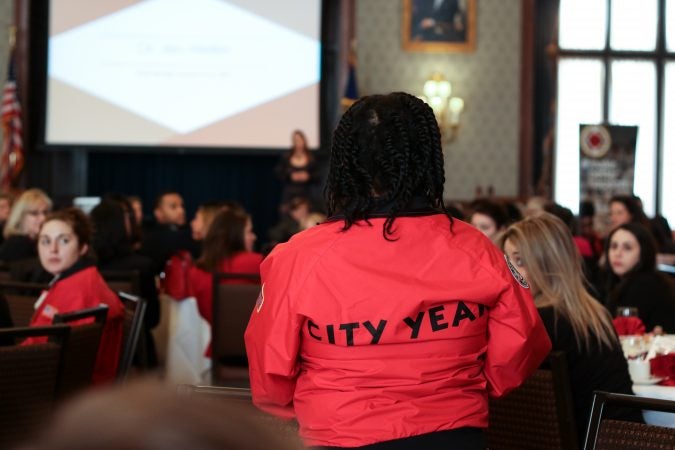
(418, 206)
(81, 264)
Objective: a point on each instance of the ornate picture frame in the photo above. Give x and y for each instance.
(439, 26)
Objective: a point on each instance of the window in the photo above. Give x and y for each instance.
(617, 65)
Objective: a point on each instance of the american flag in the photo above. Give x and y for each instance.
(11, 161)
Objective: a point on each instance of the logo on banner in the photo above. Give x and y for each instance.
(595, 141)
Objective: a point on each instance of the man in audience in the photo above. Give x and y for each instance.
(169, 234)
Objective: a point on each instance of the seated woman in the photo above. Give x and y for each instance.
(544, 253)
(63, 245)
(228, 248)
(204, 216)
(632, 278)
(112, 243)
(22, 227)
(489, 217)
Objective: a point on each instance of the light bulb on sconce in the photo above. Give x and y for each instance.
(448, 110)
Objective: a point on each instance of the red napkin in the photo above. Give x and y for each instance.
(629, 326)
(664, 366)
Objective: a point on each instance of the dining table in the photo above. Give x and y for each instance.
(660, 387)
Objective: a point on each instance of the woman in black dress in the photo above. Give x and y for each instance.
(544, 252)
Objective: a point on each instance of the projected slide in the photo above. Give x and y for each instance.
(202, 73)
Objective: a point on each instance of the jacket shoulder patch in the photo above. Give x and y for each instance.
(261, 299)
(519, 278)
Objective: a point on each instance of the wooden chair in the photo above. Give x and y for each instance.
(537, 415)
(232, 307)
(240, 398)
(622, 435)
(81, 352)
(134, 311)
(28, 380)
(21, 298)
(5, 274)
(127, 281)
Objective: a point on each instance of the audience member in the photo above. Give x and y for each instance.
(624, 209)
(298, 170)
(312, 220)
(489, 217)
(513, 211)
(535, 206)
(144, 416)
(587, 228)
(137, 206)
(291, 222)
(63, 245)
(23, 225)
(544, 253)
(352, 331)
(632, 278)
(113, 249)
(169, 234)
(205, 214)
(228, 248)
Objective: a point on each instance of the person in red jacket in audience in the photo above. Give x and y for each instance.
(63, 244)
(388, 325)
(228, 248)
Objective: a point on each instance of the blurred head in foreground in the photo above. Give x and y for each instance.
(146, 416)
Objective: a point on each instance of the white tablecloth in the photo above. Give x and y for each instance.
(184, 339)
(656, 391)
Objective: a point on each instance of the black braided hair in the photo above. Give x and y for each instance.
(386, 150)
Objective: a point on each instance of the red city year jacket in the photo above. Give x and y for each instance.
(365, 340)
(81, 290)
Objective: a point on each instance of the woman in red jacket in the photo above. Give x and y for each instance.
(228, 248)
(63, 244)
(388, 325)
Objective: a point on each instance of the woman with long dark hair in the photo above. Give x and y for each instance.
(373, 327)
(632, 278)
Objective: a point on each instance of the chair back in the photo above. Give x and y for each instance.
(5, 274)
(619, 434)
(21, 298)
(28, 379)
(122, 280)
(134, 311)
(81, 353)
(232, 307)
(537, 415)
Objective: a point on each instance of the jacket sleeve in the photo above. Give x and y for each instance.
(273, 340)
(517, 339)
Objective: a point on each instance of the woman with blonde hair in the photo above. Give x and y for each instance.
(543, 251)
(23, 225)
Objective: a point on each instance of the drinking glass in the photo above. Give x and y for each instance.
(626, 311)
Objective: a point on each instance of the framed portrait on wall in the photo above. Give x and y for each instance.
(439, 25)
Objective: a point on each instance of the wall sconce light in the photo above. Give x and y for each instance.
(448, 110)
